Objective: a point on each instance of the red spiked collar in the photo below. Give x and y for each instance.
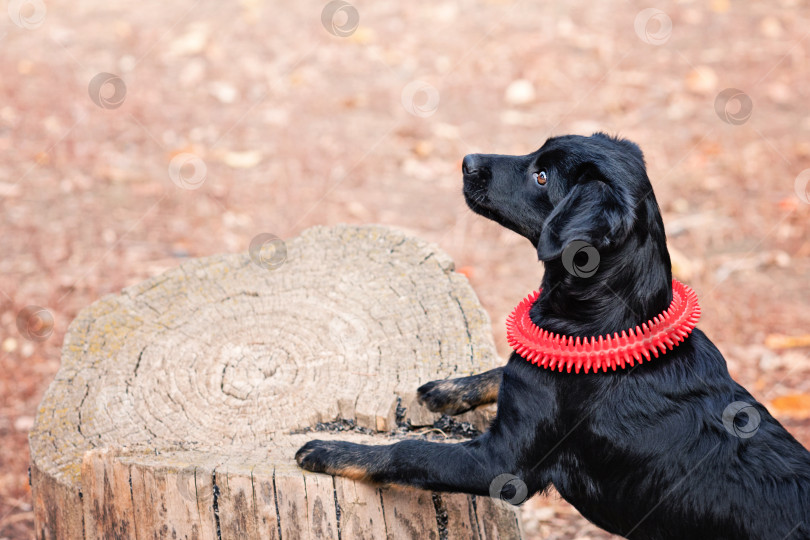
(554, 351)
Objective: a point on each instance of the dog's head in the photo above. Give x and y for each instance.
(574, 188)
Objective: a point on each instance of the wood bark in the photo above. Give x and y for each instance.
(180, 402)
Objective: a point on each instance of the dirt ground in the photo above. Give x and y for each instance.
(286, 117)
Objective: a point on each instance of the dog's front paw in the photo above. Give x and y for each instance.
(445, 396)
(312, 456)
(333, 457)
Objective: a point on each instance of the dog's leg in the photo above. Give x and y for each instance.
(524, 410)
(455, 396)
(475, 466)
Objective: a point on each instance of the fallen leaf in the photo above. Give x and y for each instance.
(467, 271)
(9, 344)
(780, 341)
(192, 42)
(242, 160)
(24, 423)
(702, 80)
(224, 92)
(802, 148)
(422, 148)
(770, 27)
(519, 92)
(780, 93)
(362, 35)
(682, 267)
(789, 204)
(188, 149)
(793, 405)
(9, 190)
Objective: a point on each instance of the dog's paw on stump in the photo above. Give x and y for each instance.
(445, 397)
(181, 402)
(457, 396)
(339, 458)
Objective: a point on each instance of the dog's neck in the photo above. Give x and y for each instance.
(632, 285)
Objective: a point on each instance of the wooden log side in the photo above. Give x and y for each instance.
(407, 513)
(361, 511)
(106, 497)
(57, 507)
(292, 503)
(236, 504)
(497, 519)
(264, 500)
(461, 517)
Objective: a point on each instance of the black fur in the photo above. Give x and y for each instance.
(456, 396)
(642, 452)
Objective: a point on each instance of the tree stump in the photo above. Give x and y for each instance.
(181, 401)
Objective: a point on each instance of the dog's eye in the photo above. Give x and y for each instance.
(540, 177)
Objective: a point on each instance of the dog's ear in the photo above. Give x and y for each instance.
(595, 211)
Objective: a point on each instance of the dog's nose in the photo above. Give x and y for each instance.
(470, 164)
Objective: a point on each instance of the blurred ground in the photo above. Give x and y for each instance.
(294, 127)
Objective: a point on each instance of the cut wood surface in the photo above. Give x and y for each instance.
(181, 401)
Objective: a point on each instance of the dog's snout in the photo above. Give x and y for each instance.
(471, 164)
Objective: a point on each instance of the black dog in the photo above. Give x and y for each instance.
(670, 448)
